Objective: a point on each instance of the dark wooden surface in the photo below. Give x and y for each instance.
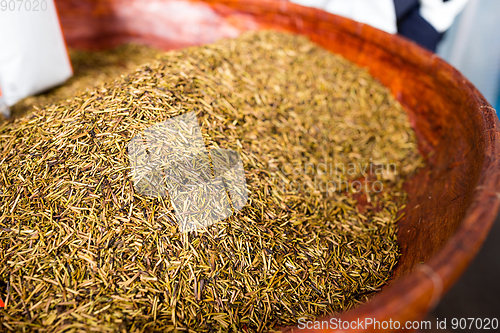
(475, 294)
(453, 202)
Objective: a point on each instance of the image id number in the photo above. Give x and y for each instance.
(474, 323)
(23, 5)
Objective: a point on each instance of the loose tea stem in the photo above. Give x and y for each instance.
(81, 250)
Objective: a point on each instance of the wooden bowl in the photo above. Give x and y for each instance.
(453, 202)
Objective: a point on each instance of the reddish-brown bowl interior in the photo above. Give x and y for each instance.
(453, 202)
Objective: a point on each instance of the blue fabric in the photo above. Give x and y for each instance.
(403, 7)
(416, 28)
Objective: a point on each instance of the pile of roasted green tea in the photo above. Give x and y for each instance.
(325, 149)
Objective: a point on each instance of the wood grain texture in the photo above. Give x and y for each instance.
(453, 202)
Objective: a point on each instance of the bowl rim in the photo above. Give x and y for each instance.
(426, 284)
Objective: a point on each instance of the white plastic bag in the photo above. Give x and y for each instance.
(33, 54)
(4, 109)
(380, 14)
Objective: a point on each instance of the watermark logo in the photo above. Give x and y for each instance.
(328, 177)
(170, 159)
